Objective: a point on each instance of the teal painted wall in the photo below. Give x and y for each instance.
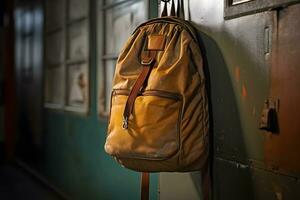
(73, 155)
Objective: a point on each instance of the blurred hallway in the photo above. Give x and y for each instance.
(57, 62)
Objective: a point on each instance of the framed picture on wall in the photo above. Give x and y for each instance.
(77, 9)
(77, 40)
(55, 53)
(55, 14)
(77, 87)
(238, 8)
(67, 55)
(119, 19)
(54, 87)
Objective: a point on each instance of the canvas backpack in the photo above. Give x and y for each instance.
(159, 118)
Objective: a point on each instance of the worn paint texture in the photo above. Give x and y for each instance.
(282, 149)
(74, 153)
(249, 163)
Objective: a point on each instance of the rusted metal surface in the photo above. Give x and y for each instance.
(239, 72)
(238, 181)
(241, 56)
(282, 150)
(244, 73)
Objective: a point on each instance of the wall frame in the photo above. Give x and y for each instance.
(118, 27)
(238, 8)
(67, 39)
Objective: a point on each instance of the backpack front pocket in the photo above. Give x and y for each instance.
(153, 127)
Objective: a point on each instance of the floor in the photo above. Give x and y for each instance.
(16, 184)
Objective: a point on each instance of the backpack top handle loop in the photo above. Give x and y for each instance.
(165, 9)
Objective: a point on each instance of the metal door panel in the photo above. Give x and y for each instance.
(239, 60)
(237, 181)
(250, 59)
(239, 86)
(238, 68)
(282, 150)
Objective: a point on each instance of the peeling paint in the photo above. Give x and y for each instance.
(235, 163)
(239, 165)
(244, 91)
(237, 73)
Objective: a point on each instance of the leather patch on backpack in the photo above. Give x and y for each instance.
(156, 42)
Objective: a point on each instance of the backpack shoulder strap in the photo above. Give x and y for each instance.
(206, 182)
(145, 183)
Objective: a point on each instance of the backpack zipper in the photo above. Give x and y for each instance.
(158, 93)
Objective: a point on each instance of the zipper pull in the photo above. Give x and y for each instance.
(147, 63)
(125, 123)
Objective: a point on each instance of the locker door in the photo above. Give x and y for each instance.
(282, 150)
(239, 76)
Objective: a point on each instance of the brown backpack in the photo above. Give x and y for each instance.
(159, 119)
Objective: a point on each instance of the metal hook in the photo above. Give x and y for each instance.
(173, 13)
(165, 10)
(180, 9)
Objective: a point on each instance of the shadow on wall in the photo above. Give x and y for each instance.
(225, 121)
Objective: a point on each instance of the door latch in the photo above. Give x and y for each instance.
(268, 119)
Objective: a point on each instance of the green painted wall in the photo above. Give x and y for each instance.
(73, 155)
